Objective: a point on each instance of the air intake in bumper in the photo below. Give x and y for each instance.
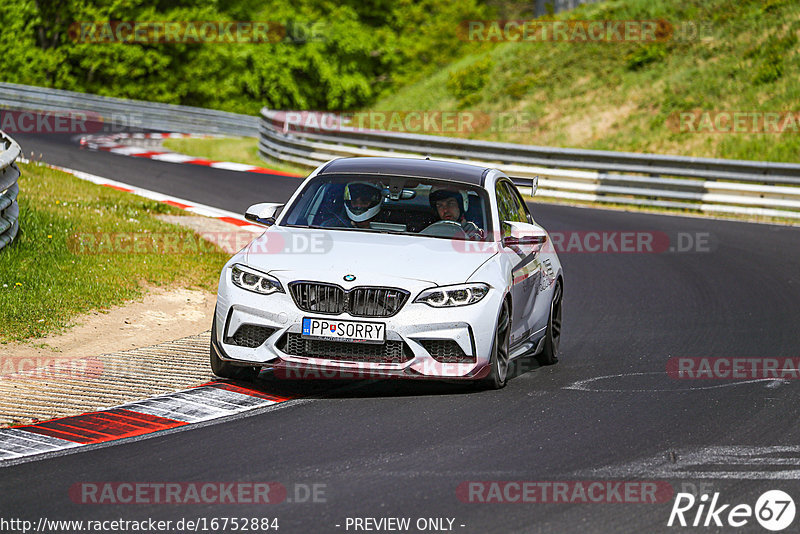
(388, 352)
(250, 335)
(446, 351)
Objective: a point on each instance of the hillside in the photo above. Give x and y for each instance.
(629, 95)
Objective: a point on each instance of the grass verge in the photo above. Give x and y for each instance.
(235, 149)
(85, 247)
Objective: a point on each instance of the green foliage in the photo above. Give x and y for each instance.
(337, 56)
(771, 56)
(644, 55)
(465, 84)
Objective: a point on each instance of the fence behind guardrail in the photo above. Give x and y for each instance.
(9, 189)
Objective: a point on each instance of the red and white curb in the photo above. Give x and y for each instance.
(111, 143)
(187, 205)
(204, 403)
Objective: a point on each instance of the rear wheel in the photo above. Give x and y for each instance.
(552, 337)
(498, 373)
(225, 369)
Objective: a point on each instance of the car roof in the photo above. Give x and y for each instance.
(441, 170)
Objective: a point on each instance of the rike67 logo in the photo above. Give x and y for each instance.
(774, 510)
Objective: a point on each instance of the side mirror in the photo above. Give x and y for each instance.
(523, 234)
(264, 213)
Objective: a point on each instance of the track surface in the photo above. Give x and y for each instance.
(400, 449)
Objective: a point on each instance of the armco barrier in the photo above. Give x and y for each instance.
(9, 189)
(752, 188)
(712, 185)
(121, 113)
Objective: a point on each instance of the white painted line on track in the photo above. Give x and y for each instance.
(231, 166)
(172, 157)
(588, 384)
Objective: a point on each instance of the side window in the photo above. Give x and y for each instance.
(503, 202)
(520, 208)
(506, 208)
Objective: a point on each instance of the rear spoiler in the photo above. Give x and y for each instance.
(521, 182)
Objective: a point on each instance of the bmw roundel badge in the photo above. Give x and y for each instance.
(349, 277)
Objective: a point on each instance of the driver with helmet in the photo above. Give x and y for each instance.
(452, 205)
(362, 203)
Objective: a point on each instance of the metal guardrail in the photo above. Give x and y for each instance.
(9, 189)
(122, 113)
(705, 184)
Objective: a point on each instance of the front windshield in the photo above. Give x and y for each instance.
(389, 204)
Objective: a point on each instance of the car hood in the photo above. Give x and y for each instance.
(329, 255)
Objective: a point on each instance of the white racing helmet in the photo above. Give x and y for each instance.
(369, 198)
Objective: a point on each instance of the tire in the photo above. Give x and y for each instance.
(225, 369)
(552, 337)
(498, 374)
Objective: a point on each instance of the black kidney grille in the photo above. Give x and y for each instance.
(360, 301)
(318, 298)
(376, 301)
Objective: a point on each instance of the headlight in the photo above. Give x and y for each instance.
(449, 296)
(254, 281)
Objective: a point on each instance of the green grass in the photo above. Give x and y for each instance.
(236, 149)
(626, 96)
(47, 279)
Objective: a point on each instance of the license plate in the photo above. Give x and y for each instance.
(335, 330)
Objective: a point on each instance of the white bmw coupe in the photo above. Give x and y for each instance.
(392, 267)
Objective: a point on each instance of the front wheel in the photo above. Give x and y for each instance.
(498, 374)
(552, 337)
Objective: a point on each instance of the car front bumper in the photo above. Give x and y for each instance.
(436, 343)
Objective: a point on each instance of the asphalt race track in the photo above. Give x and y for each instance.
(608, 411)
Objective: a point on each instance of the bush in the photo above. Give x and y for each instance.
(465, 84)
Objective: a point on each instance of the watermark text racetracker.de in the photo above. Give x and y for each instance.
(175, 493)
(406, 121)
(57, 121)
(736, 368)
(51, 368)
(318, 242)
(565, 492)
(609, 242)
(205, 31)
(582, 31)
(50, 121)
(724, 121)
